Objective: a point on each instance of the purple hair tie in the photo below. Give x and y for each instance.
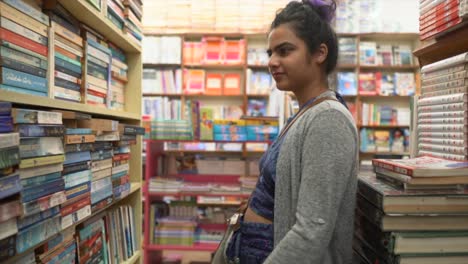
(325, 10)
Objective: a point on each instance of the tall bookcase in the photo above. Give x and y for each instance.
(84, 12)
(154, 148)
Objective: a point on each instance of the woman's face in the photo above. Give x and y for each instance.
(290, 61)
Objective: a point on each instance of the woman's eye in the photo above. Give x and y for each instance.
(284, 51)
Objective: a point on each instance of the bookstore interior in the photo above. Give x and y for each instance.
(131, 130)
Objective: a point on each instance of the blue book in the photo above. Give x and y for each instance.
(37, 233)
(119, 55)
(79, 131)
(93, 43)
(86, 188)
(119, 175)
(22, 90)
(10, 185)
(6, 124)
(60, 257)
(347, 83)
(76, 157)
(40, 180)
(28, 221)
(5, 108)
(40, 130)
(23, 80)
(36, 192)
(67, 65)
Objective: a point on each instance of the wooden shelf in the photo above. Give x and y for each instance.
(196, 194)
(390, 67)
(195, 247)
(134, 259)
(383, 153)
(134, 187)
(383, 126)
(160, 65)
(406, 97)
(202, 151)
(96, 20)
(389, 36)
(205, 141)
(445, 45)
(258, 95)
(215, 66)
(162, 94)
(31, 100)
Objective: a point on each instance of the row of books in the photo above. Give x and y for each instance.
(159, 81)
(202, 82)
(439, 16)
(376, 115)
(372, 53)
(385, 141)
(67, 166)
(176, 186)
(257, 56)
(412, 211)
(126, 15)
(377, 83)
(162, 49)
(441, 108)
(258, 82)
(99, 79)
(214, 50)
(212, 15)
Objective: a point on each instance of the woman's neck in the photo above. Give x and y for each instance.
(310, 91)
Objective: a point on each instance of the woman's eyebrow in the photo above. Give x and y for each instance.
(279, 46)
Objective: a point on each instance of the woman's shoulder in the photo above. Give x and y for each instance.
(330, 109)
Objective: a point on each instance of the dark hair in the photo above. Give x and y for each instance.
(310, 20)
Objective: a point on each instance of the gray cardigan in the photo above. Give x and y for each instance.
(315, 188)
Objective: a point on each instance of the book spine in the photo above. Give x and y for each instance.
(78, 147)
(461, 89)
(121, 168)
(105, 58)
(37, 233)
(23, 80)
(22, 67)
(41, 161)
(76, 167)
(8, 228)
(76, 178)
(22, 41)
(444, 99)
(69, 66)
(443, 107)
(101, 165)
(96, 45)
(67, 71)
(7, 247)
(33, 195)
(67, 59)
(33, 172)
(9, 140)
(25, 20)
(44, 203)
(39, 180)
(390, 167)
(97, 175)
(444, 78)
(40, 130)
(22, 91)
(91, 80)
(10, 185)
(75, 207)
(442, 128)
(443, 148)
(15, 55)
(78, 131)
(67, 34)
(68, 54)
(76, 191)
(67, 94)
(448, 156)
(69, 44)
(68, 78)
(101, 155)
(66, 84)
(9, 157)
(77, 157)
(28, 221)
(13, 46)
(14, 27)
(64, 47)
(440, 121)
(454, 84)
(30, 11)
(445, 71)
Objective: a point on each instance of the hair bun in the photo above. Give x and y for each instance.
(324, 8)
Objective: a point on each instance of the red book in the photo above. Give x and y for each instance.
(23, 42)
(424, 166)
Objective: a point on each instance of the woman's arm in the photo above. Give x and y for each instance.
(328, 159)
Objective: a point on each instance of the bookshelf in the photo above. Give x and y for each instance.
(86, 14)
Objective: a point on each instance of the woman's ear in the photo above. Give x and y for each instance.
(322, 53)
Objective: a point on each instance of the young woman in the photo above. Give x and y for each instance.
(302, 208)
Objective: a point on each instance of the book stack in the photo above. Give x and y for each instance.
(10, 203)
(347, 50)
(98, 67)
(115, 13)
(413, 211)
(133, 13)
(24, 48)
(120, 166)
(106, 132)
(119, 78)
(439, 15)
(67, 54)
(442, 109)
(42, 159)
(61, 247)
(76, 170)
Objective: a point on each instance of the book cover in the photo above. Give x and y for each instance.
(347, 83)
(367, 84)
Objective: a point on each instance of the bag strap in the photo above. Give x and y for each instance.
(243, 207)
(302, 111)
